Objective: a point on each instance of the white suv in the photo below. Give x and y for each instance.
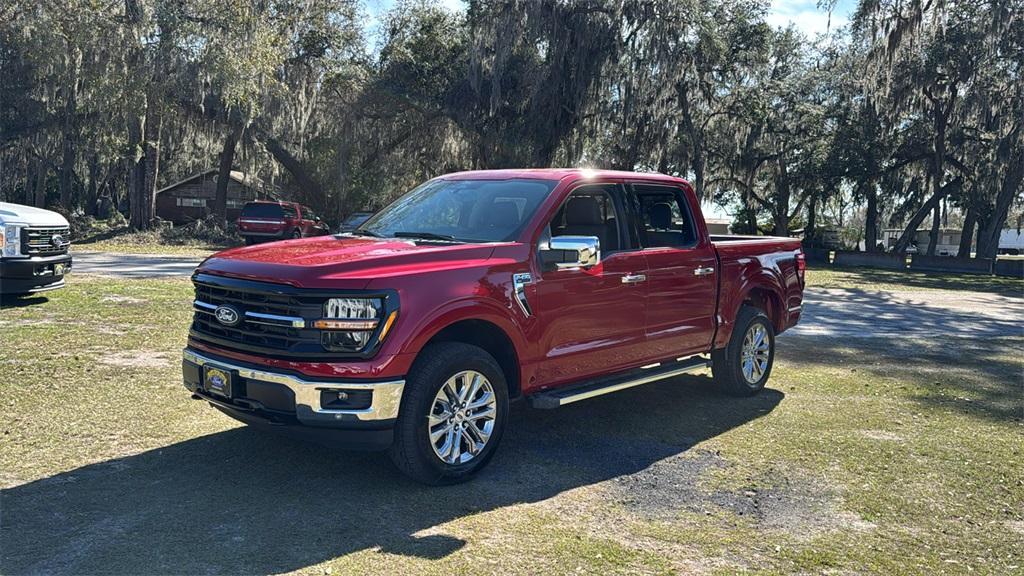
(34, 247)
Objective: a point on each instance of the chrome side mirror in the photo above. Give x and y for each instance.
(566, 252)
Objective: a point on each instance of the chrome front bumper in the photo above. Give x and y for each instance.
(386, 396)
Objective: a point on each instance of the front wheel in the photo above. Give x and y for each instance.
(296, 234)
(743, 366)
(453, 414)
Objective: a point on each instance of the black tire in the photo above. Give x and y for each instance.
(412, 451)
(249, 240)
(727, 363)
(296, 234)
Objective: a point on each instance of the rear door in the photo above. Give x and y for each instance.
(591, 321)
(293, 220)
(682, 277)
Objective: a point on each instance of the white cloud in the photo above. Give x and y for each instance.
(806, 16)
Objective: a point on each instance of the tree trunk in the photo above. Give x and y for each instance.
(967, 234)
(810, 230)
(136, 174)
(93, 192)
(154, 128)
(933, 234)
(39, 194)
(988, 235)
(782, 194)
(227, 159)
(294, 167)
(911, 230)
(696, 138)
(68, 153)
(938, 167)
(871, 218)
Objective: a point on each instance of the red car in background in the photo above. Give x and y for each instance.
(267, 221)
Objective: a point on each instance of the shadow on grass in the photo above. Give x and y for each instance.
(241, 501)
(977, 282)
(979, 377)
(13, 301)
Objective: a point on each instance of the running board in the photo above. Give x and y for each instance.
(576, 392)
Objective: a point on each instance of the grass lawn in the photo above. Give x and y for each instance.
(865, 455)
(130, 246)
(878, 279)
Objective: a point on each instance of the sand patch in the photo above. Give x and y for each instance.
(137, 359)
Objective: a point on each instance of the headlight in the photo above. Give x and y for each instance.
(10, 235)
(348, 323)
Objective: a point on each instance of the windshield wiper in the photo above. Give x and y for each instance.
(427, 236)
(370, 233)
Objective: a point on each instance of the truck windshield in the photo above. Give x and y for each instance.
(461, 210)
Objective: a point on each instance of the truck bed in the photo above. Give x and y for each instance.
(769, 261)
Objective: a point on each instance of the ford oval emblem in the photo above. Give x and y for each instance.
(227, 315)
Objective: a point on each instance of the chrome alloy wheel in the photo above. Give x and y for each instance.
(756, 353)
(461, 418)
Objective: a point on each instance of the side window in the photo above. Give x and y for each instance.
(664, 217)
(308, 214)
(289, 211)
(590, 211)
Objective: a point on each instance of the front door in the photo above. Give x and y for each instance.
(592, 320)
(682, 279)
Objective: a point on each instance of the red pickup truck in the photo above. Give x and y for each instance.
(413, 332)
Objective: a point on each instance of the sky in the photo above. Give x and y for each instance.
(804, 14)
(807, 17)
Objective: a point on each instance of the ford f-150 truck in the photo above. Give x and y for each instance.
(34, 249)
(413, 332)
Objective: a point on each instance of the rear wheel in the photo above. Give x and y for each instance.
(742, 368)
(453, 414)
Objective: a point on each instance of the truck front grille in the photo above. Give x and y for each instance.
(45, 241)
(269, 320)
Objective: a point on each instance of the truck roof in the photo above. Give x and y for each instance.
(559, 174)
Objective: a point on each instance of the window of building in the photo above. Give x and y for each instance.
(191, 202)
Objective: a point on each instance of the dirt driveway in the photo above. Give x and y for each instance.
(133, 265)
(853, 313)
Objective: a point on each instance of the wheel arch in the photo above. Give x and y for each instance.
(762, 291)
(482, 326)
(769, 301)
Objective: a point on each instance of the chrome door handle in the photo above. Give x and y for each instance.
(633, 278)
(703, 271)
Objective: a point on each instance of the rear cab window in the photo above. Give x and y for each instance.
(663, 217)
(262, 210)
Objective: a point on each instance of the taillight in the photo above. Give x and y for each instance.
(801, 266)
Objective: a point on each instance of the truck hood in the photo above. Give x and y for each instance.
(29, 215)
(340, 261)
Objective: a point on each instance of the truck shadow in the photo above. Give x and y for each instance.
(241, 501)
